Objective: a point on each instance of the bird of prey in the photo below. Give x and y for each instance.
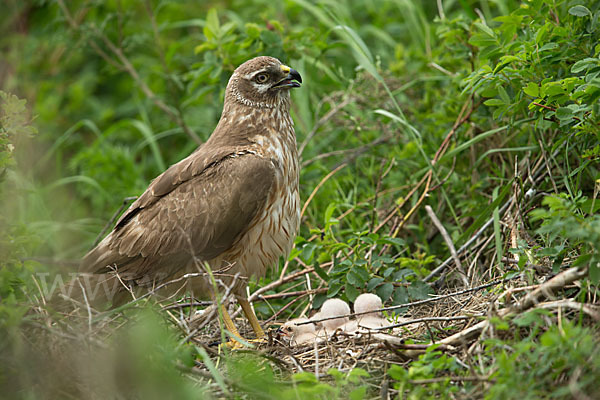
(233, 204)
(299, 334)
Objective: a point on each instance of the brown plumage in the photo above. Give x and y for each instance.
(233, 203)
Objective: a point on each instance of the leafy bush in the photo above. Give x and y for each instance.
(560, 363)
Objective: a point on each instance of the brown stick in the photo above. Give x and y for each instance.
(558, 282)
(291, 294)
(449, 243)
(278, 282)
(427, 319)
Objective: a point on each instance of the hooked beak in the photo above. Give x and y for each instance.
(292, 80)
(281, 331)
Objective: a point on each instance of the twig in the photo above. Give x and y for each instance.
(415, 346)
(545, 290)
(559, 281)
(188, 304)
(316, 189)
(87, 305)
(448, 241)
(536, 174)
(282, 309)
(467, 244)
(590, 309)
(215, 309)
(291, 294)
(552, 109)
(461, 119)
(426, 319)
(278, 282)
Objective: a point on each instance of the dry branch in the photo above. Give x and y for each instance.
(531, 299)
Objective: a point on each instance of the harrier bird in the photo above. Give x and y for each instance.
(233, 204)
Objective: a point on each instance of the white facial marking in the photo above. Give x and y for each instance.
(261, 88)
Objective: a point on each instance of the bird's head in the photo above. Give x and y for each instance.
(291, 328)
(262, 82)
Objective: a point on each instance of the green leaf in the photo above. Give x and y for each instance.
(390, 240)
(385, 291)
(503, 95)
(212, 27)
(358, 393)
(318, 300)
(388, 271)
(494, 102)
(307, 251)
(351, 292)
(305, 377)
(584, 64)
(364, 274)
(320, 271)
(331, 207)
(564, 113)
(354, 278)
(334, 288)
(373, 283)
(533, 317)
(548, 46)
(485, 29)
(357, 373)
(398, 372)
(541, 33)
(419, 290)
(270, 38)
(400, 296)
(532, 89)
(581, 260)
(580, 11)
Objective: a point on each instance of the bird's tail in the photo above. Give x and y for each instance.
(98, 291)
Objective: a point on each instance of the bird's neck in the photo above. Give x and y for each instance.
(268, 132)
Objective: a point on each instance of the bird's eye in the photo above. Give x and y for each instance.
(262, 78)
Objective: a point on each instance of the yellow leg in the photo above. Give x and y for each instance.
(228, 322)
(249, 312)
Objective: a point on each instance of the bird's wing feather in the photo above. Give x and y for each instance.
(199, 211)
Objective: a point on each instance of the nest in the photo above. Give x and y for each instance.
(456, 322)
